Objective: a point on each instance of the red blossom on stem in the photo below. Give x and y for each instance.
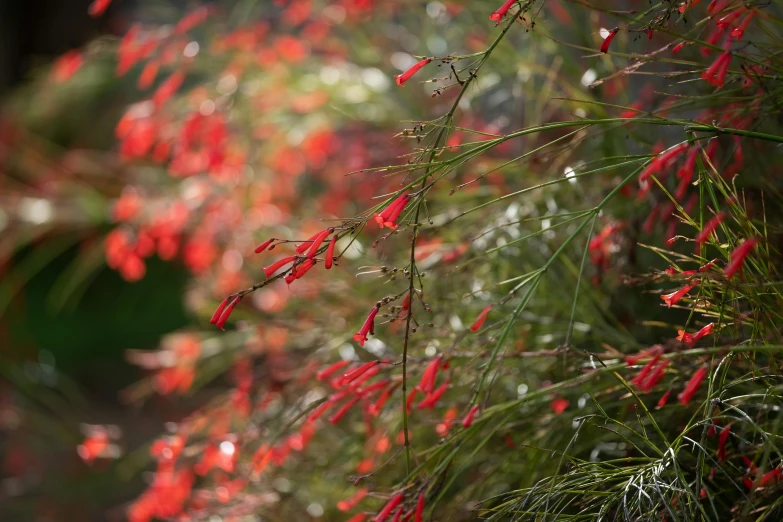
(739, 31)
(559, 405)
(419, 509)
(263, 246)
(219, 310)
(468, 420)
(645, 371)
(663, 400)
(97, 7)
(411, 397)
(388, 508)
(674, 297)
(357, 372)
(404, 77)
(430, 400)
(277, 265)
(221, 322)
(655, 377)
(722, 439)
(716, 73)
(330, 253)
(709, 228)
(662, 161)
(608, 39)
(317, 240)
(498, 15)
(693, 386)
(691, 339)
(427, 383)
(652, 351)
(367, 327)
(389, 215)
(738, 256)
(332, 368)
(375, 408)
(339, 414)
(481, 318)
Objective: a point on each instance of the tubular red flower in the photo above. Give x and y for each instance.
(339, 414)
(722, 439)
(645, 371)
(655, 377)
(263, 246)
(674, 297)
(383, 216)
(688, 4)
(427, 383)
(367, 327)
(481, 318)
(274, 267)
(373, 387)
(498, 15)
(468, 420)
(677, 48)
(304, 245)
(709, 228)
(691, 339)
(317, 240)
(357, 372)
(332, 368)
(430, 400)
(369, 374)
(663, 400)
(738, 256)
(316, 413)
(662, 161)
(608, 39)
(419, 516)
(97, 7)
(716, 6)
(375, 408)
(716, 73)
(347, 505)
(304, 268)
(652, 351)
(219, 310)
(404, 77)
(729, 19)
(330, 253)
(221, 322)
(693, 386)
(739, 31)
(411, 397)
(388, 508)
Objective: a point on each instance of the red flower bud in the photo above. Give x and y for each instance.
(263, 246)
(498, 15)
(330, 253)
(608, 39)
(468, 420)
(404, 77)
(481, 318)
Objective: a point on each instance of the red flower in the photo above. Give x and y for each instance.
(317, 240)
(263, 246)
(347, 505)
(274, 267)
(375, 408)
(722, 439)
(339, 414)
(677, 48)
(97, 7)
(388, 508)
(357, 372)
(645, 371)
(674, 297)
(419, 508)
(662, 161)
(498, 15)
(468, 420)
(427, 383)
(389, 215)
(655, 377)
(481, 318)
(168, 88)
(691, 339)
(709, 228)
(739, 31)
(330, 253)
(411, 397)
(66, 66)
(693, 386)
(430, 400)
(663, 400)
(339, 365)
(608, 39)
(652, 351)
(304, 245)
(404, 77)
(716, 73)
(221, 322)
(738, 256)
(559, 405)
(219, 310)
(367, 327)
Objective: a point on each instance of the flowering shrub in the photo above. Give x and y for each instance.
(461, 327)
